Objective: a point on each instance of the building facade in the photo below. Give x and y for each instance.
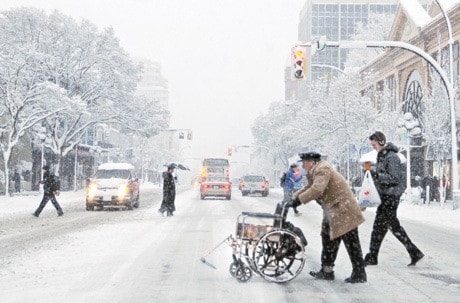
(409, 76)
(153, 85)
(335, 20)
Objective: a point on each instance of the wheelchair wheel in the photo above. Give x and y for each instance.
(243, 273)
(233, 268)
(279, 256)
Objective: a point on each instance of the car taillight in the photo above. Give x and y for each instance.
(227, 186)
(242, 184)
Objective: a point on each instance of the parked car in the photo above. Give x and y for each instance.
(114, 185)
(216, 186)
(254, 184)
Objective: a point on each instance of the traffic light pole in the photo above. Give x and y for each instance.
(418, 51)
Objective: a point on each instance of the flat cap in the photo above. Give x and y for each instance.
(310, 156)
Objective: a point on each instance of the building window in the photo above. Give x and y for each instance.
(413, 96)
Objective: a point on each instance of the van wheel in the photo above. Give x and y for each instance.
(88, 208)
(129, 205)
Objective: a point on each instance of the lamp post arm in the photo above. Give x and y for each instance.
(450, 41)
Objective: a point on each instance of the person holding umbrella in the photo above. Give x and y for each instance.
(169, 192)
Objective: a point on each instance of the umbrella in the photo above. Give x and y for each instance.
(372, 157)
(177, 165)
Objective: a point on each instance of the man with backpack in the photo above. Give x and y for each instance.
(51, 188)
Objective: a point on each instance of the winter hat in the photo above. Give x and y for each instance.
(293, 165)
(379, 137)
(310, 156)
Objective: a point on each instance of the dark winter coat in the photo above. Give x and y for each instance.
(390, 174)
(330, 189)
(169, 188)
(50, 183)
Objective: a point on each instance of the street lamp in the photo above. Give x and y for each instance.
(410, 127)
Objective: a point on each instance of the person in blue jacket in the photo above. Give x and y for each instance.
(292, 182)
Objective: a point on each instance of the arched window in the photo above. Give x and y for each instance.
(413, 96)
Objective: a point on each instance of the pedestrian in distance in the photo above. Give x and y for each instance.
(17, 181)
(292, 182)
(169, 192)
(389, 178)
(51, 189)
(341, 216)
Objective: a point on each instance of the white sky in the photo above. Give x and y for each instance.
(224, 59)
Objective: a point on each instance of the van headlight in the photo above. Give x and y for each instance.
(123, 190)
(92, 189)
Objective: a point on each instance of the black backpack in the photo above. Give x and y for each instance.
(283, 179)
(55, 183)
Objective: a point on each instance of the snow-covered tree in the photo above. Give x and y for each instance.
(377, 29)
(26, 97)
(73, 75)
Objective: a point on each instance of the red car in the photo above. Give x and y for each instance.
(216, 186)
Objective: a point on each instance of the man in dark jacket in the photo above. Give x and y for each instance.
(50, 189)
(389, 179)
(169, 192)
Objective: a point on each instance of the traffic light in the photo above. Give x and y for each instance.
(299, 62)
(229, 150)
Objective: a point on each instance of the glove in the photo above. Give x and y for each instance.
(293, 203)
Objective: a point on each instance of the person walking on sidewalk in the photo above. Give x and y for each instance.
(341, 216)
(50, 191)
(389, 179)
(17, 181)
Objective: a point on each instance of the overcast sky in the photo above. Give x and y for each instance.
(224, 59)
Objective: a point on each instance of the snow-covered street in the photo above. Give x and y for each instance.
(138, 256)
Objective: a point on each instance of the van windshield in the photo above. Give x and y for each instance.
(112, 173)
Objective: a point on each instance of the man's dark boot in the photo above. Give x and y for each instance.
(60, 213)
(357, 277)
(169, 214)
(415, 257)
(370, 259)
(322, 275)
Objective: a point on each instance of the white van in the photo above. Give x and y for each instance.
(114, 185)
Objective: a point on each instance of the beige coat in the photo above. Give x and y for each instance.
(330, 189)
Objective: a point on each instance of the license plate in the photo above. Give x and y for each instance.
(216, 187)
(107, 198)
